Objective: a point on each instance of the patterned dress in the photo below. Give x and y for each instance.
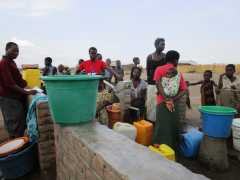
(207, 94)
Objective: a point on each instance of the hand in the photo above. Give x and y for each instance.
(221, 76)
(217, 91)
(233, 87)
(170, 105)
(32, 92)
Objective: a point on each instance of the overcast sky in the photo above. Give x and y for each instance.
(204, 31)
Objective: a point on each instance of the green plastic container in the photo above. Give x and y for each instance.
(72, 99)
(217, 110)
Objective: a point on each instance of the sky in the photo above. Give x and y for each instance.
(203, 31)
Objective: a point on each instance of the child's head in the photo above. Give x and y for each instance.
(207, 75)
(171, 73)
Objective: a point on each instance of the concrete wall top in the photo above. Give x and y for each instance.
(128, 158)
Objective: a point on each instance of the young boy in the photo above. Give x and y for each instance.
(207, 89)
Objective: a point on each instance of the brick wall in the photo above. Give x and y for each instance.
(46, 147)
(94, 152)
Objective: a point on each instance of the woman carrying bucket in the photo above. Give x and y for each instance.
(167, 116)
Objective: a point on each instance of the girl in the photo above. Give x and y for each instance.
(207, 89)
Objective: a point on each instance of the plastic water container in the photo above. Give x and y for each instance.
(32, 76)
(19, 164)
(72, 99)
(125, 129)
(236, 133)
(144, 132)
(217, 120)
(114, 115)
(190, 143)
(164, 150)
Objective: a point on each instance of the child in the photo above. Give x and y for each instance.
(207, 89)
(169, 85)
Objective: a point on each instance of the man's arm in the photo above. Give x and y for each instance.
(148, 66)
(10, 83)
(220, 82)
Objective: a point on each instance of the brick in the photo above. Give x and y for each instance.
(46, 144)
(45, 128)
(90, 175)
(43, 152)
(48, 136)
(45, 120)
(109, 174)
(43, 113)
(42, 105)
(86, 154)
(98, 165)
(47, 158)
(80, 171)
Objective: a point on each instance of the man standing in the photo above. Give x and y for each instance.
(49, 69)
(12, 93)
(155, 59)
(93, 65)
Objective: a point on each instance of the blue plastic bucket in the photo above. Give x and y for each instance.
(190, 143)
(19, 164)
(217, 120)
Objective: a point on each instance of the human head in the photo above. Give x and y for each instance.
(207, 75)
(12, 50)
(136, 61)
(93, 53)
(48, 61)
(61, 68)
(108, 62)
(99, 56)
(230, 70)
(118, 64)
(136, 73)
(80, 61)
(172, 57)
(159, 44)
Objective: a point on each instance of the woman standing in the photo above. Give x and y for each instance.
(167, 118)
(138, 93)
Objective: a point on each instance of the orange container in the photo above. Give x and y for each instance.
(144, 132)
(114, 116)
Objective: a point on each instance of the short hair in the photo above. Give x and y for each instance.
(158, 40)
(231, 66)
(172, 56)
(138, 68)
(208, 71)
(10, 44)
(92, 48)
(48, 59)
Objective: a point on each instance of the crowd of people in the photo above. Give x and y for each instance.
(157, 98)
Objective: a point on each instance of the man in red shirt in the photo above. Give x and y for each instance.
(12, 93)
(93, 65)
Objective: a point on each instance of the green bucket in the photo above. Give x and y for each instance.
(72, 99)
(217, 110)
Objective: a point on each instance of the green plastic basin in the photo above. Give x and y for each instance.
(218, 110)
(72, 99)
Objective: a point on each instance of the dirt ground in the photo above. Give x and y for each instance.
(193, 118)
